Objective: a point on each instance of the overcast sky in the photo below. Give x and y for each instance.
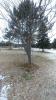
(3, 23)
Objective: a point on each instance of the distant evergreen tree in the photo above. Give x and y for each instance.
(43, 40)
(54, 44)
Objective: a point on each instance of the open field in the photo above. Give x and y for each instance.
(16, 83)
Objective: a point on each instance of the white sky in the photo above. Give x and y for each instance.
(3, 23)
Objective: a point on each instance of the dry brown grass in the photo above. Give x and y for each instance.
(13, 58)
(17, 58)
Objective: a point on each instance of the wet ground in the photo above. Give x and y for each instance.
(16, 83)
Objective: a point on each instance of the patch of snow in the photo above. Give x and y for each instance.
(1, 77)
(4, 92)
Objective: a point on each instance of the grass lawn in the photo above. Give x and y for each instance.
(19, 83)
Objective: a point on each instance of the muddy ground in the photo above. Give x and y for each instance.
(16, 83)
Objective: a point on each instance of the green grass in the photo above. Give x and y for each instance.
(27, 76)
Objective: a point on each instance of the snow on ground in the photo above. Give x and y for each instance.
(50, 53)
(46, 50)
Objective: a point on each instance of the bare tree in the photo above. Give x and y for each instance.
(25, 19)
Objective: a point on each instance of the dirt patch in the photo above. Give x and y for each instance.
(30, 67)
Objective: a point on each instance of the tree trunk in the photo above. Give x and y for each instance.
(29, 56)
(29, 50)
(9, 44)
(42, 50)
(18, 43)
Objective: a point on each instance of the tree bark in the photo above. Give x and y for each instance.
(10, 44)
(29, 56)
(29, 50)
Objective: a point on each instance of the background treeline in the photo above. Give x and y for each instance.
(46, 45)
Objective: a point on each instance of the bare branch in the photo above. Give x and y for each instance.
(40, 3)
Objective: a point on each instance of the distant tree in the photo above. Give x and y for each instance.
(43, 40)
(8, 36)
(54, 44)
(2, 44)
